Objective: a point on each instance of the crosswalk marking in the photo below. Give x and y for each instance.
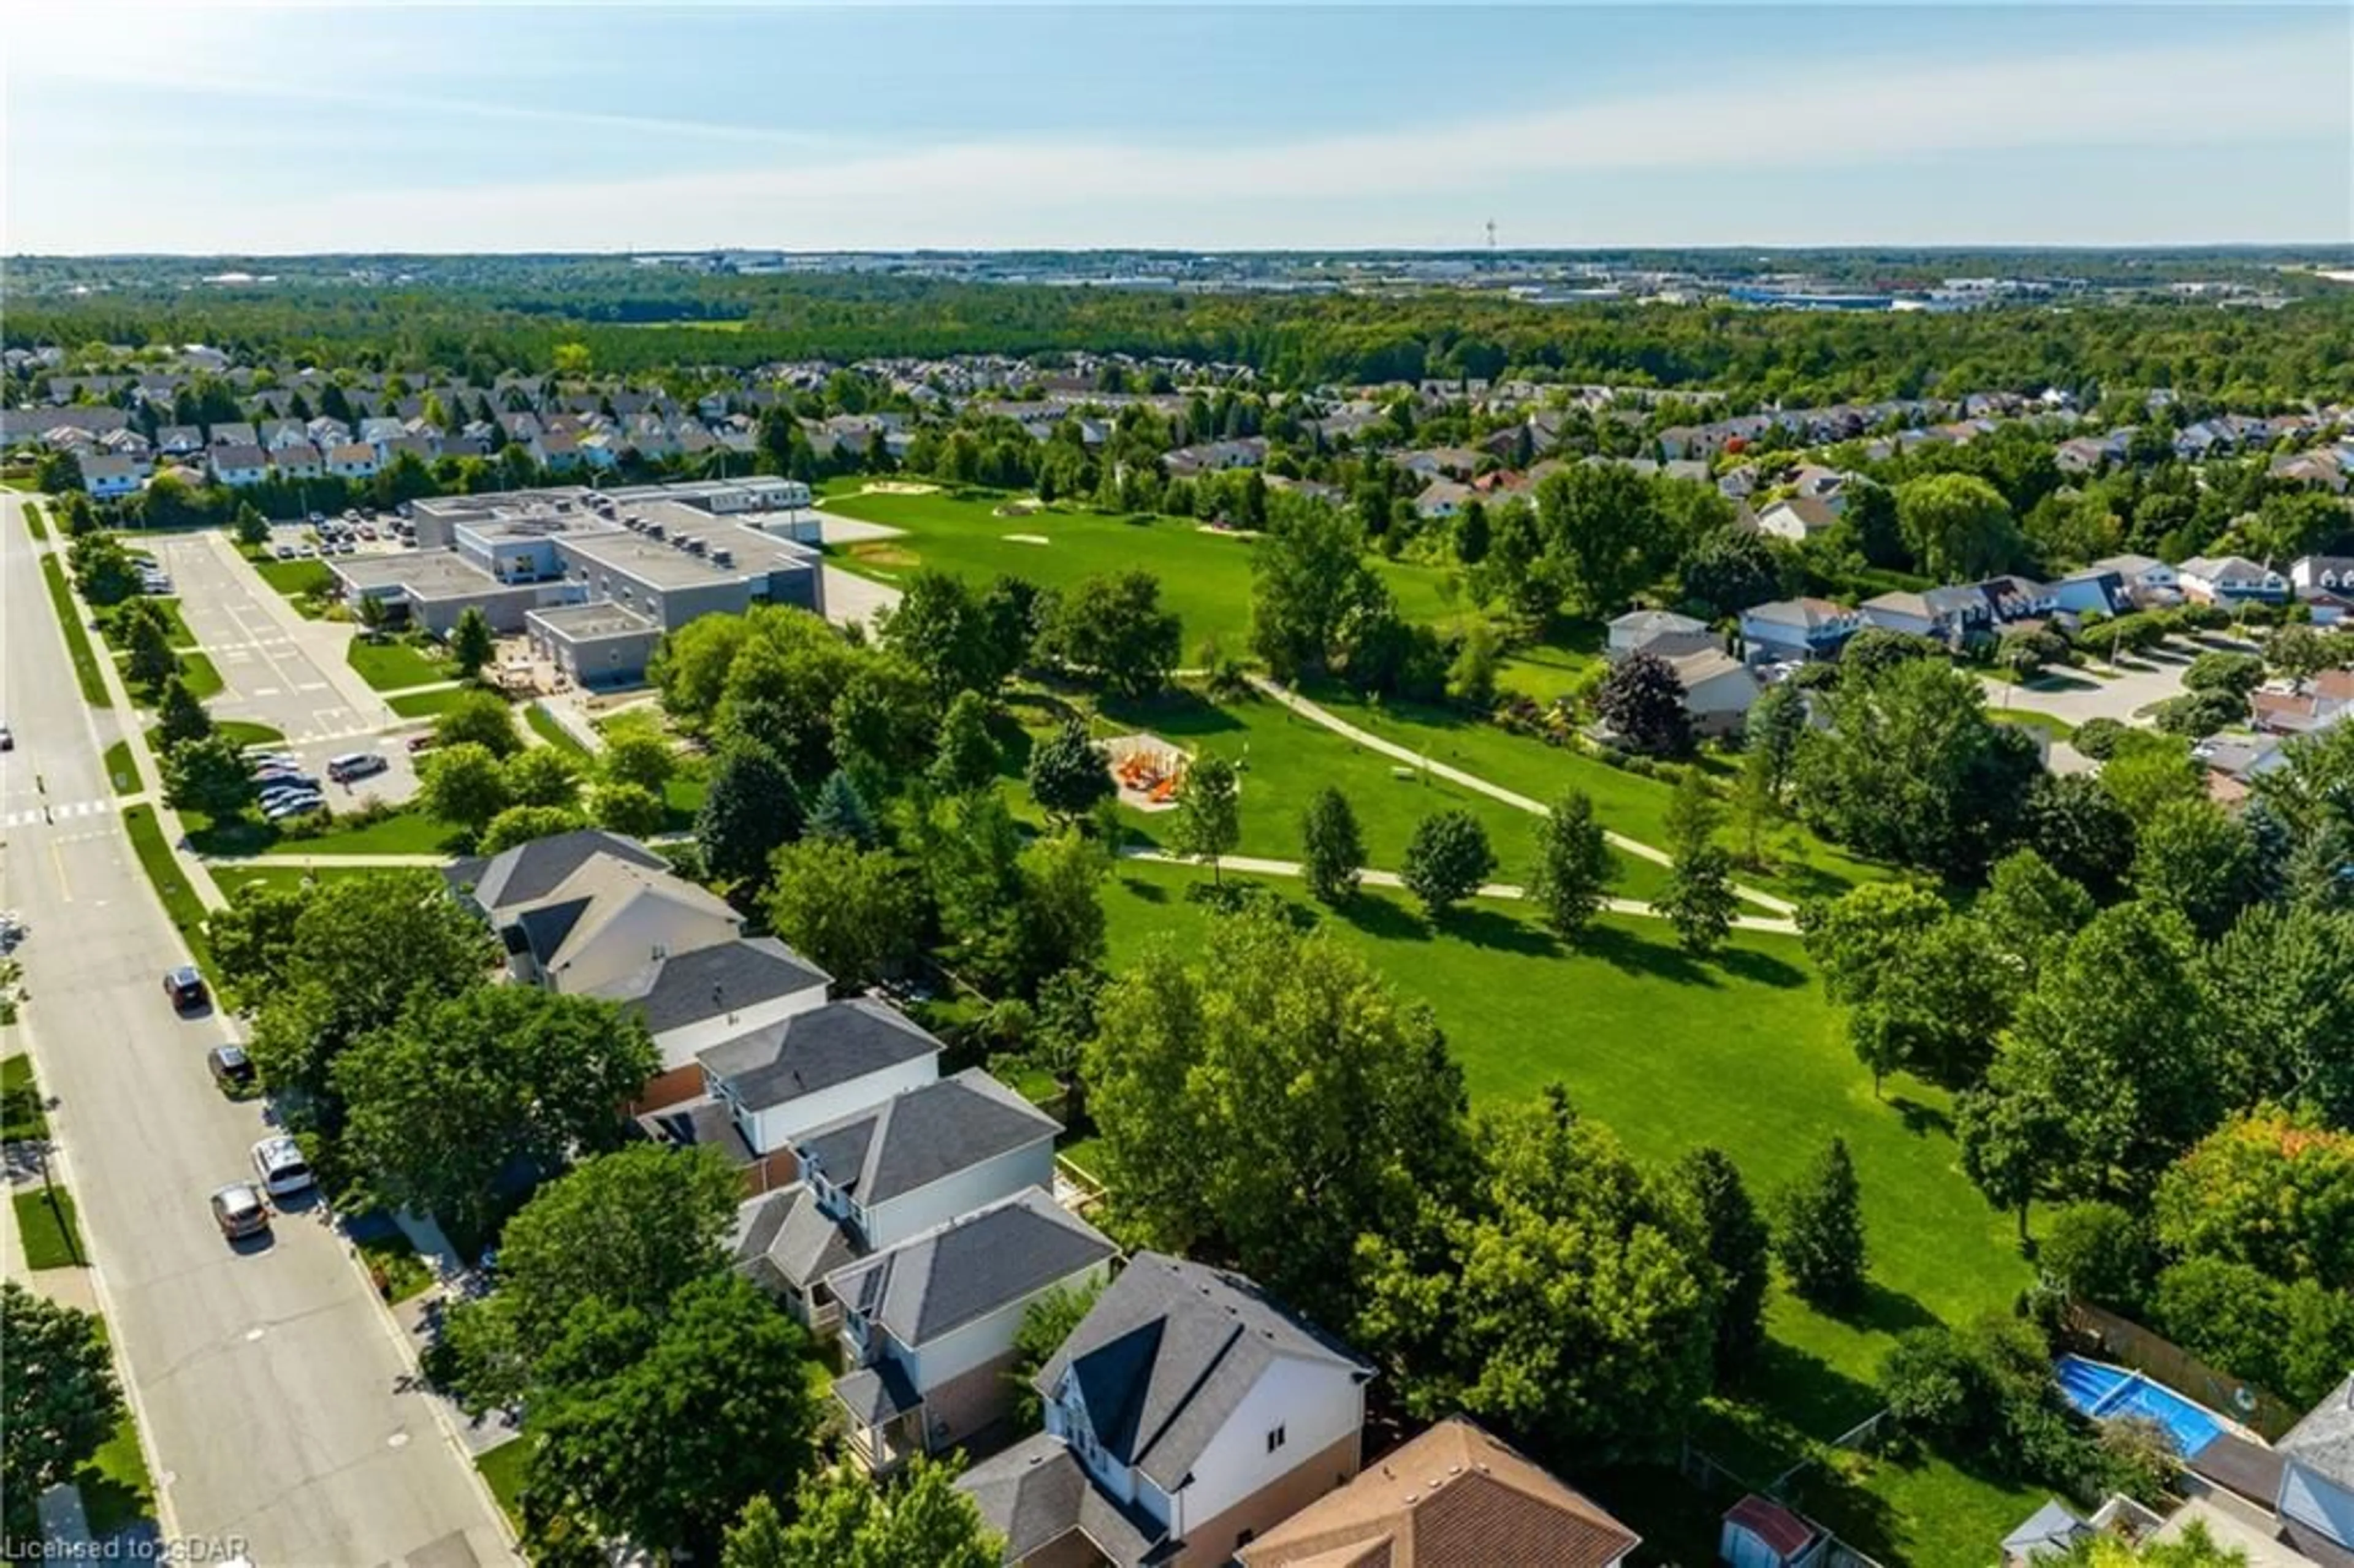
(63, 812)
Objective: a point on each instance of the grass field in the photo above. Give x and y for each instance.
(296, 580)
(48, 1228)
(178, 632)
(180, 901)
(390, 666)
(116, 1490)
(34, 522)
(504, 1468)
(120, 770)
(1626, 802)
(406, 831)
(1205, 576)
(544, 725)
(199, 675)
(424, 705)
(1743, 1053)
(85, 658)
(235, 879)
(21, 1116)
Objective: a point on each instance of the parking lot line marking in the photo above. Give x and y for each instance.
(65, 884)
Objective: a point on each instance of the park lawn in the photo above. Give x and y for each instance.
(185, 910)
(120, 770)
(22, 1117)
(177, 627)
(407, 831)
(425, 705)
(1743, 1053)
(85, 660)
(296, 580)
(1205, 574)
(48, 1228)
(394, 666)
(1286, 759)
(1626, 802)
(544, 726)
(197, 672)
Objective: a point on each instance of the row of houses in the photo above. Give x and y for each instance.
(911, 1219)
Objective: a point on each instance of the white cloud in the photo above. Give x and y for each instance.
(1369, 186)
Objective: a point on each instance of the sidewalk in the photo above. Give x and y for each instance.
(66, 1287)
(1319, 714)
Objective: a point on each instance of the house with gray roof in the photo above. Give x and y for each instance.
(692, 1000)
(811, 1068)
(1186, 1414)
(927, 1326)
(578, 911)
(1659, 631)
(2316, 1485)
(1799, 628)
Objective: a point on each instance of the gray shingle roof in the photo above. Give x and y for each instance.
(688, 987)
(937, 1282)
(536, 869)
(783, 1240)
(1036, 1493)
(876, 1394)
(915, 1139)
(2324, 1439)
(1167, 1354)
(781, 1062)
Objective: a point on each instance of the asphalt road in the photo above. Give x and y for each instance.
(268, 1382)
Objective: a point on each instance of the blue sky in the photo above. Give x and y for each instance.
(195, 127)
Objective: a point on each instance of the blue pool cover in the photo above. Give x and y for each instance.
(2104, 1391)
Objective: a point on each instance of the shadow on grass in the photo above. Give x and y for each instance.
(1144, 892)
(1804, 1392)
(1800, 881)
(1630, 954)
(1861, 1518)
(1500, 932)
(1760, 969)
(1175, 714)
(1921, 1120)
(1384, 920)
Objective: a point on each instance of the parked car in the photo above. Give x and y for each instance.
(186, 987)
(356, 765)
(231, 1068)
(240, 1211)
(421, 742)
(298, 805)
(285, 551)
(7, 738)
(267, 758)
(279, 1162)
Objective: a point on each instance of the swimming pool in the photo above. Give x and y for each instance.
(2104, 1391)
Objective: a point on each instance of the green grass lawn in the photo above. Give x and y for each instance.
(34, 522)
(504, 1467)
(1205, 576)
(47, 1227)
(406, 831)
(116, 1490)
(180, 901)
(424, 705)
(1286, 758)
(199, 675)
(405, 1273)
(390, 666)
(85, 660)
(1743, 1053)
(544, 726)
(120, 770)
(236, 879)
(296, 580)
(178, 632)
(1626, 802)
(2050, 725)
(22, 1118)
(241, 733)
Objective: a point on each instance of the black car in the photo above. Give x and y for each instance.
(186, 987)
(232, 1069)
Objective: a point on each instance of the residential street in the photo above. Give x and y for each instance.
(268, 1382)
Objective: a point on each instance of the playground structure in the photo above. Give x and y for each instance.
(1148, 770)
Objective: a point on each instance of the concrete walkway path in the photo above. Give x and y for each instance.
(1319, 714)
(308, 861)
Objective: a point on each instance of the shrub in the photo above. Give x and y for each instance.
(2100, 1253)
(2098, 737)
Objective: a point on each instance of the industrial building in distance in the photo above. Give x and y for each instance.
(595, 578)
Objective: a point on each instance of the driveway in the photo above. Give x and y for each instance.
(2076, 695)
(278, 669)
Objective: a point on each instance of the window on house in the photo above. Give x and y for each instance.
(1275, 1439)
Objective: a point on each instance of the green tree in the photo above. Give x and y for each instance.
(210, 776)
(143, 629)
(180, 718)
(941, 626)
(1959, 526)
(2198, 860)
(251, 937)
(1310, 582)
(1113, 627)
(629, 808)
(844, 1520)
(2099, 1252)
(482, 719)
(463, 784)
(1447, 861)
(1262, 1096)
(750, 808)
(968, 755)
(2282, 987)
(2269, 1189)
(543, 776)
(839, 811)
(1599, 520)
(470, 644)
(2031, 911)
(1208, 821)
(1741, 1246)
(1068, 772)
(1729, 570)
(56, 473)
(1819, 1231)
(638, 757)
(59, 1403)
(445, 1100)
(1047, 1322)
(2301, 653)
(1573, 869)
(854, 913)
(523, 824)
(1699, 902)
(1332, 846)
(1643, 703)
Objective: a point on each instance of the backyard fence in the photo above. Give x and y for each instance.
(2104, 1334)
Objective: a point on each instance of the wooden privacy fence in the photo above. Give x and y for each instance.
(2104, 1334)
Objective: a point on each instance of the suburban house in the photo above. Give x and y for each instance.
(691, 1000)
(1185, 1415)
(1456, 1496)
(772, 1084)
(2230, 579)
(279, 433)
(298, 459)
(2326, 584)
(1659, 631)
(578, 911)
(1718, 689)
(234, 433)
(352, 460)
(1797, 518)
(1951, 615)
(928, 1326)
(179, 439)
(2147, 580)
(2327, 699)
(886, 1173)
(2316, 1502)
(108, 474)
(2093, 588)
(1442, 499)
(1799, 628)
(238, 465)
(1209, 457)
